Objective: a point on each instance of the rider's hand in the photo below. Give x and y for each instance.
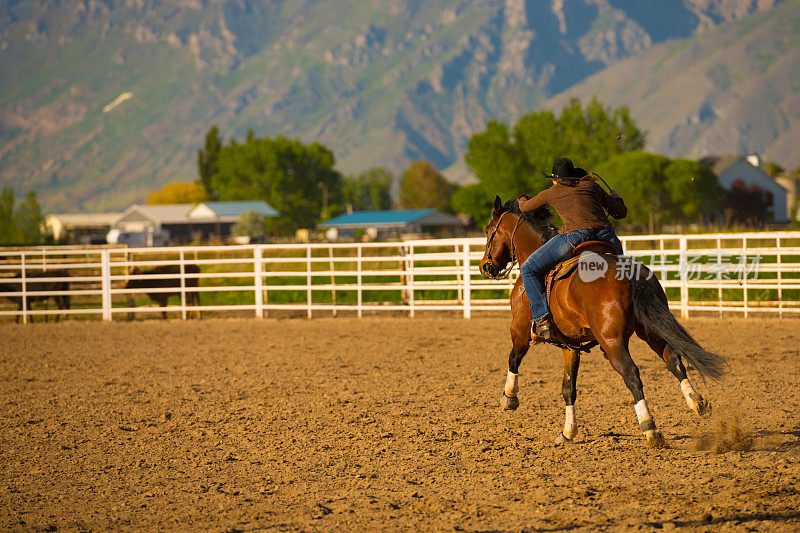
(524, 197)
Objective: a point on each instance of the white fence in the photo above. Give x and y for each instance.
(742, 273)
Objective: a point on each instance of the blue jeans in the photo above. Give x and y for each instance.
(557, 249)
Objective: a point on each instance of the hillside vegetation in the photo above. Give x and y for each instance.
(379, 83)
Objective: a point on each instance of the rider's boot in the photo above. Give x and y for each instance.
(541, 329)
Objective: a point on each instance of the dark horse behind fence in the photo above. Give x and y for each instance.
(606, 307)
(55, 286)
(161, 298)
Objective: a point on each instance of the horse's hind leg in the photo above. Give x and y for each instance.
(569, 389)
(694, 399)
(63, 303)
(620, 358)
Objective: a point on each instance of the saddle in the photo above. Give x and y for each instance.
(565, 269)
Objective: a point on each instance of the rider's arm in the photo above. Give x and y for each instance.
(534, 203)
(613, 204)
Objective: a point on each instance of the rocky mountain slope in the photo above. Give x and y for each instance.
(102, 101)
(735, 89)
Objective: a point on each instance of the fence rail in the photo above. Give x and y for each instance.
(742, 273)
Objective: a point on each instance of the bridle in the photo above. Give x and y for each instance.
(502, 274)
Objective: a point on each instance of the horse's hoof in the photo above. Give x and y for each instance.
(702, 408)
(508, 404)
(562, 439)
(655, 439)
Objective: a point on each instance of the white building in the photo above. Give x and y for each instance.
(792, 186)
(155, 225)
(82, 228)
(735, 170)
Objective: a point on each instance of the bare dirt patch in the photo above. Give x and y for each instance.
(244, 424)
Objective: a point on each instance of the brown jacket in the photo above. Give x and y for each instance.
(580, 205)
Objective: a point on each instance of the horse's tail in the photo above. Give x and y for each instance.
(652, 313)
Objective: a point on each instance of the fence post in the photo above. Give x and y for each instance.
(258, 279)
(467, 282)
(308, 280)
(684, 275)
(459, 269)
(358, 278)
(719, 275)
(105, 283)
(780, 279)
(333, 280)
(24, 289)
(744, 273)
(410, 278)
(183, 286)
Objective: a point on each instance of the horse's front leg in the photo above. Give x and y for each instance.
(521, 341)
(569, 389)
(509, 400)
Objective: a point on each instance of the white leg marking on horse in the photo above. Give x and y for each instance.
(570, 426)
(688, 390)
(642, 412)
(512, 384)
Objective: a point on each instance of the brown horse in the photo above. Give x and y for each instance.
(606, 307)
(162, 298)
(59, 284)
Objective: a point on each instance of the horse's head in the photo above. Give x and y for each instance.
(499, 253)
(131, 271)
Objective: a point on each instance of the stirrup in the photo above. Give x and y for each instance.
(541, 329)
(544, 330)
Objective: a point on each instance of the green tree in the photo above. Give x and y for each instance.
(370, 190)
(693, 191)
(639, 178)
(422, 186)
(179, 193)
(507, 161)
(250, 224)
(499, 162)
(773, 169)
(595, 133)
(29, 220)
(207, 159)
(8, 227)
(20, 225)
(471, 200)
(657, 190)
(296, 179)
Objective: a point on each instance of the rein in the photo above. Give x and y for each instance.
(504, 273)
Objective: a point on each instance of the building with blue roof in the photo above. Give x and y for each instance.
(388, 222)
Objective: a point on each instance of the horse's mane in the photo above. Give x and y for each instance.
(538, 219)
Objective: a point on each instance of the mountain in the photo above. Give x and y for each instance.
(733, 89)
(103, 101)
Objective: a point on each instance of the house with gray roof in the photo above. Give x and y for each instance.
(185, 223)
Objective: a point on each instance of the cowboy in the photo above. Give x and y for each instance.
(580, 202)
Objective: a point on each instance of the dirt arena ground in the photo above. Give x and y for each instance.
(382, 423)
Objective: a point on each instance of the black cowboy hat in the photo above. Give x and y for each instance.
(563, 169)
